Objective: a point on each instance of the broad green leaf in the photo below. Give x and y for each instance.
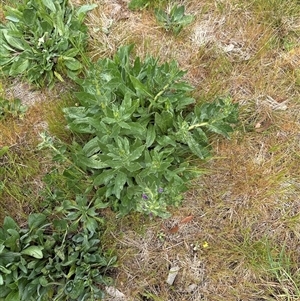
(4, 270)
(59, 24)
(12, 18)
(151, 135)
(122, 56)
(29, 16)
(73, 64)
(140, 88)
(49, 4)
(92, 147)
(160, 15)
(183, 86)
(9, 256)
(13, 296)
(136, 153)
(116, 164)
(186, 20)
(1, 280)
(98, 204)
(136, 130)
(46, 24)
(86, 8)
(166, 141)
(133, 166)
(74, 288)
(5, 54)
(17, 13)
(104, 177)
(71, 52)
(164, 120)
(35, 220)
(23, 268)
(60, 225)
(60, 252)
(18, 67)
(43, 281)
(34, 251)
(92, 163)
(200, 134)
(184, 102)
(13, 42)
(12, 240)
(220, 128)
(124, 125)
(177, 12)
(9, 223)
(195, 147)
(91, 224)
(120, 181)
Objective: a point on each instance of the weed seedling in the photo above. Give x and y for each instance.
(43, 41)
(174, 20)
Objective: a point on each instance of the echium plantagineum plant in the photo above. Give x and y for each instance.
(43, 40)
(141, 129)
(174, 20)
(54, 259)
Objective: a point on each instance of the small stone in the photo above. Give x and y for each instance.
(228, 48)
(172, 275)
(191, 288)
(115, 293)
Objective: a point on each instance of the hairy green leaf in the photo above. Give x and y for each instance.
(13, 296)
(73, 64)
(35, 220)
(9, 223)
(49, 4)
(85, 8)
(34, 251)
(13, 42)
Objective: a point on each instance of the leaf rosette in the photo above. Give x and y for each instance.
(43, 41)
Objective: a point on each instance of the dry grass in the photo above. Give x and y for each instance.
(247, 207)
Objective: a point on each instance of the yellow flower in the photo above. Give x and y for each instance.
(205, 245)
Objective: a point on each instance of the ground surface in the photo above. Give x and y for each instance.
(236, 236)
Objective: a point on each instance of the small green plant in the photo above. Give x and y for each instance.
(54, 260)
(139, 130)
(141, 4)
(11, 108)
(43, 40)
(174, 20)
(283, 270)
(138, 4)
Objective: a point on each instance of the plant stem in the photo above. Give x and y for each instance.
(158, 95)
(197, 125)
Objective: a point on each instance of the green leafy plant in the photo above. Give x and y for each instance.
(53, 260)
(139, 129)
(174, 20)
(11, 108)
(283, 270)
(43, 40)
(141, 4)
(138, 4)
